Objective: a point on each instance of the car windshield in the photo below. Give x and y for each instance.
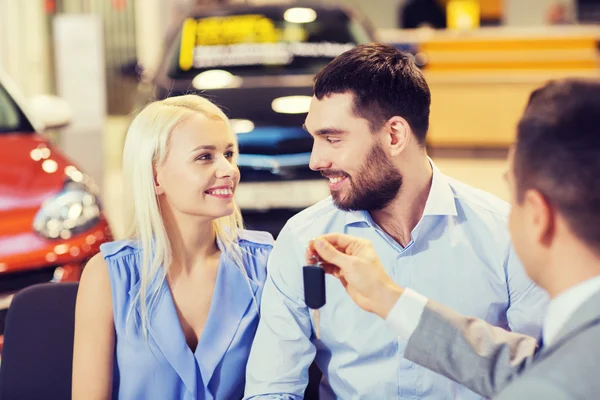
(272, 41)
(11, 117)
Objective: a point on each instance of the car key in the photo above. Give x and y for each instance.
(314, 289)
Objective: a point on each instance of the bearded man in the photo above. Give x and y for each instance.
(369, 118)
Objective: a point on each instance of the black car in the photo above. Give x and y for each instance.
(257, 63)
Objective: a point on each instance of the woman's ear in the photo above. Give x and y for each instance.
(158, 189)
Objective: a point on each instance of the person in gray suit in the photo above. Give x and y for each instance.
(554, 179)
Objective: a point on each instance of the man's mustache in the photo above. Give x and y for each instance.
(329, 173)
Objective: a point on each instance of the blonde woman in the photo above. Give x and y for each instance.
(171, 312)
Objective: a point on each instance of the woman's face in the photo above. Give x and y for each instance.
(199, 175)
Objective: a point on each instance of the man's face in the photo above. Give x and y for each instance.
(360, 172)
(523, 230)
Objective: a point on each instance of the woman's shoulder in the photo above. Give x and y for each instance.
(260, 239)
(122, 258)
(256, 247)
(119, 248)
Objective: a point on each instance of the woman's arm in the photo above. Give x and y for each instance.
(93, 350)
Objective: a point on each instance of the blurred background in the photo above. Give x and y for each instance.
(106, 58)
(74, 72)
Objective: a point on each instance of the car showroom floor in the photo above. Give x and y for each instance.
(482, 169)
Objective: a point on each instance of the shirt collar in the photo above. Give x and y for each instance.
(562, 307)
(441, 197)
(439, 202)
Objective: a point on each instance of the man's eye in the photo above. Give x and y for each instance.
(332, 140)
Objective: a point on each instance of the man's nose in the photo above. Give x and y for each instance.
(318, 161)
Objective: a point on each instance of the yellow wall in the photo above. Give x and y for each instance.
(480, 80)
(481, 109)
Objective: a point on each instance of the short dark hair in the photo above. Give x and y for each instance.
(384, 81)
(558, 153)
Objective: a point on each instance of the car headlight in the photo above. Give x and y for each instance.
(74, 210)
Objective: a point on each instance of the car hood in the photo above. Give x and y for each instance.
(31, 170)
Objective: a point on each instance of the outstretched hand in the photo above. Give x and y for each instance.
(355, 263)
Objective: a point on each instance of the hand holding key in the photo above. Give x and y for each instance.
(355, 263)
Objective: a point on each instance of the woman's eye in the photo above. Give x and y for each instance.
(203, 157)
(229, 154)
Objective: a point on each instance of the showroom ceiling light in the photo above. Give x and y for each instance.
(49, 166)
(216, 79)
(300, 15)
(291, 104)
(242, 125)
(73, 173)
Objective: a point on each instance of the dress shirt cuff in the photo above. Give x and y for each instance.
(406, 313)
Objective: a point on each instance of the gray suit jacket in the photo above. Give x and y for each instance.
(508, 366)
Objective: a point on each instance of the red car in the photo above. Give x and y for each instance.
(51, 221)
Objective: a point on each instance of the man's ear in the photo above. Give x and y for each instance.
(398, 135)
(541, 216)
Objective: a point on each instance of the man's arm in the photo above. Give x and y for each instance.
(470, 351)
(282, 350)
(528, 389)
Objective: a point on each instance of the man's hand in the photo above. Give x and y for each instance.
(354, 262)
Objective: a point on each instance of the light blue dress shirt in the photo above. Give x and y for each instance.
(163, 366)
(459, 254)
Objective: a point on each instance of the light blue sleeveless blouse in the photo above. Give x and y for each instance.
(163, 366)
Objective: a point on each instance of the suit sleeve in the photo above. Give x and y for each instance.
(480, 356)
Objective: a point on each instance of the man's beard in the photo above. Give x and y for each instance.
(375, 185)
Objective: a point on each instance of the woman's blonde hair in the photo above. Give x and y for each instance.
(146, 147)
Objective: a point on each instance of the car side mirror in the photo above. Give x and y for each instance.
(52, 111)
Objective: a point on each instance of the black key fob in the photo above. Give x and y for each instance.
(314, 286)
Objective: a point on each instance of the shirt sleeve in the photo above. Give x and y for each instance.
(282, 351)
(527, 302)
(406, 313)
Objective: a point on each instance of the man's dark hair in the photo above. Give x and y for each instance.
(558, 152)
(385, 82)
